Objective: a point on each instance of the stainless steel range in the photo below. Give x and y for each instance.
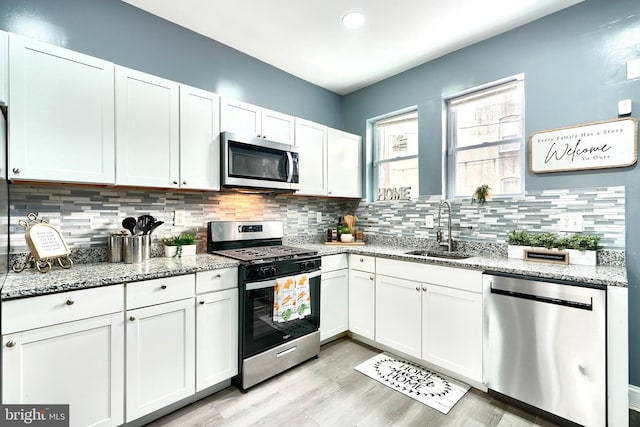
(279, 297)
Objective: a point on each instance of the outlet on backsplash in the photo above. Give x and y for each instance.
(428, 221)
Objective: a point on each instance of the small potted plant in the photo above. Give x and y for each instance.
(179, 245)
(481, 194)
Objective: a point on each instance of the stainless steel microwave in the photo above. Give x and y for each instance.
(249, 162)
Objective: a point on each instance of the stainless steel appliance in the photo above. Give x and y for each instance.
(258, 163)
(268, 343)
(545, 345)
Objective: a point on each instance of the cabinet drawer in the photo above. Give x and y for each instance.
(157, 291)
(45, 310)
(334, 262)
(216, 280)
(458, 278)
(362, 263)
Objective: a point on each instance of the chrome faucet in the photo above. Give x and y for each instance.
(449, 242)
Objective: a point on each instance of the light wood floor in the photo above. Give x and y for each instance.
(328, 392)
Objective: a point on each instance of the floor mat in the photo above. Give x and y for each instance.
(424, 385)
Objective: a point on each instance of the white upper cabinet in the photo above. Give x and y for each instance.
(61, 120)
(247, 119)
(147, 130)
(330, 161)
(4, 68)
(311, 139)
(199, 139)
(344, 174)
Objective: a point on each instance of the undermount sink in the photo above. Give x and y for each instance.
(432, 254)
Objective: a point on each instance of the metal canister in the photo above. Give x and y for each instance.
(114, 247)
(132, 249)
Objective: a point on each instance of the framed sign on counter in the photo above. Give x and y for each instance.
(597, 145)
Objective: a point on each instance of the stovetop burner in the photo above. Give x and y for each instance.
(265, 253)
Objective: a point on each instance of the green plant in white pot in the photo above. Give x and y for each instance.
(179, 245)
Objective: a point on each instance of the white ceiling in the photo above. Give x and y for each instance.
(306, 38)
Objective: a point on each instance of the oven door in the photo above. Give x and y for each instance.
(260, 331)
(258, 163)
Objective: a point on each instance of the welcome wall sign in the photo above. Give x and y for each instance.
(597, 145)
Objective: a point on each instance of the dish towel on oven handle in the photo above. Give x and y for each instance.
(291, 298)
(284, 300)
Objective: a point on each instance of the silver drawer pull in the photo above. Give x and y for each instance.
(11, 344)
(201, 302)
(132, 318)
(284, 353)
(70, 302)
(218, 276)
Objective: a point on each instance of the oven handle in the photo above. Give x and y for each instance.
(290, 166)
(271, 283)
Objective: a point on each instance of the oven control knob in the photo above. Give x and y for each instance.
(272, 271)
(261, 272)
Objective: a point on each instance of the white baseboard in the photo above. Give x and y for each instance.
(634, 397)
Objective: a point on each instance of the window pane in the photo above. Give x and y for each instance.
(485, 144)
(488, 165)
(399, 173)
(488, 116)
(397, 136)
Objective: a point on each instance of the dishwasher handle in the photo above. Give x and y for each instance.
(544, 292)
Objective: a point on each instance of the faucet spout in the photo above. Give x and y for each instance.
(449, 242)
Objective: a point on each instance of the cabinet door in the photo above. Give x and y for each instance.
(61, 121)
(217, 337)
(311, 139)
(78, 363)
(334, 303)
(398, 314)
(452, 330)
(344, 158)
(240, 117)
(199, 139)
(277, 127)
(4, 68)
(147, 137)
(362, 303)
(160, 356)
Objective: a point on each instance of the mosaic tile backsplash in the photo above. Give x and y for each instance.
(86, 215)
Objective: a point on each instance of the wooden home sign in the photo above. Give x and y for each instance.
(598, 145)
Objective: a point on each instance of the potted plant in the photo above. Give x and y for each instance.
(481, 194)
(179, 245)
(582, 248)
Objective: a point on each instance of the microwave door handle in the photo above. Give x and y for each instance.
(289, 166)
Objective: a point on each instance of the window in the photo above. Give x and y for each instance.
(395, 147)
(484, 140)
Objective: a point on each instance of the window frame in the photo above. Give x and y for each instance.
(374, 153)
(449, 150)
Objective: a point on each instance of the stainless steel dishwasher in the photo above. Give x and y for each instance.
(545, 345)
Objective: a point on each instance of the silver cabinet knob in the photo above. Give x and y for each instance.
(132, 318)
(259, 136)
(201, 302)
(418, 288)
(70, 302)
(16, 170)
(218, 276)
(361, 259)
(371, 278)
(11, 344)
(163, 287)
(424, 288)
(184, 182)
(174, 182)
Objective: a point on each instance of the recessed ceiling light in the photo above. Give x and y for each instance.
(353, 20)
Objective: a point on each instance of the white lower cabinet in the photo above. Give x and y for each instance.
(452, 330)
(362, 303)
(334, 303)
(216, 337)
(78, 362)
(160, 356)
(437, 319)
(398, 314)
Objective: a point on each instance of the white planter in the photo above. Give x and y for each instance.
(582, 257)
(187, 250)
(575, 256)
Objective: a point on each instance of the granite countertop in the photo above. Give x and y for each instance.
(32, 283)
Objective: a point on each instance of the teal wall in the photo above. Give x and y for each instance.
(574, 63)
(120, 33)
